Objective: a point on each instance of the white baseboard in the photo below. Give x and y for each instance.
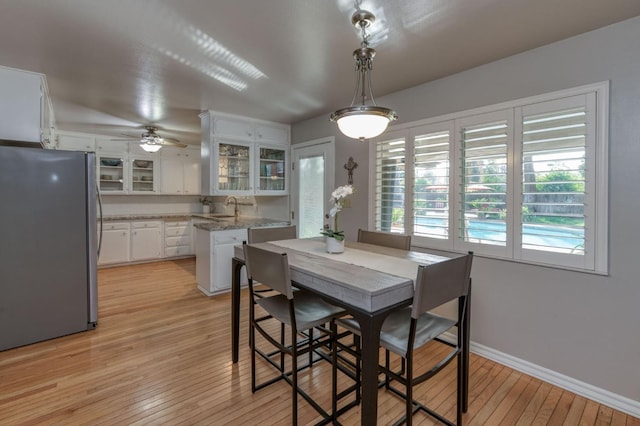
(602, 396)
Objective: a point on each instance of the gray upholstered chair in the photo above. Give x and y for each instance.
(271, 233)
(300, 311)
(386, 239)
(410, 328)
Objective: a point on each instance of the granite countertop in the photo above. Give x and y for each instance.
(149, 216)
(214, 221)
(221, 224)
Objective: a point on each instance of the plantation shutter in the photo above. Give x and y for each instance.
(558, 217)
(484, 182)
(390, 185)
(431, 185)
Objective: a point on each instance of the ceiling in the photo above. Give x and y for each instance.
(114, 66)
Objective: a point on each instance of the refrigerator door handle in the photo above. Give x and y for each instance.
(93, 247)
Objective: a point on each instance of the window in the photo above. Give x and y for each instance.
(524, 180)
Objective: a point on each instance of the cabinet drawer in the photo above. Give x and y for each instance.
(177, 241)
(230, 237)
(177, 251)
(142, 225)
(176, 224)
(176, 232)
(112, 226)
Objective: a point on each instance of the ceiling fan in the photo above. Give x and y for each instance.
(150, 141)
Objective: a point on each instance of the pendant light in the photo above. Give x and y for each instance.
(363, 121)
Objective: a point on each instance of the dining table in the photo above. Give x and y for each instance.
(368, 281)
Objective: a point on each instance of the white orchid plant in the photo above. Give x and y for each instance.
(337, 199)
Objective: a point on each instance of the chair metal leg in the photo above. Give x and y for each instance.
(459, 391)
(334, 370)
(294, 378)
(252, 340)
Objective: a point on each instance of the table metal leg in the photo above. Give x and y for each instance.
(236, 265)
(370, 328)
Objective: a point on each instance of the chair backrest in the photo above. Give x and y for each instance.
(270, 268)
(440, 283)
(386, 239)
(260, 235)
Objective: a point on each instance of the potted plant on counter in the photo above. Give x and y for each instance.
(335, 236)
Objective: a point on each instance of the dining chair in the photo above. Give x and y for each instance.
(297, 310)
(408, 329)
(271, 233)
(386, 239)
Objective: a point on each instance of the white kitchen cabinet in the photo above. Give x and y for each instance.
(75, 142)
(234, 172)
(233, 128)
(105, 145)
(142, 174)
(146, 240)
(214, 251)
(112, 173)
(115, 243)
(272, 175)
(177, 238)
(230, 151)
(180, 171)
(25, 108)
(272, 133)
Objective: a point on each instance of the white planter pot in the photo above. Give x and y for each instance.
(334, 246)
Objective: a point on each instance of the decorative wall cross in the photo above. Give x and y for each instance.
(349, 168)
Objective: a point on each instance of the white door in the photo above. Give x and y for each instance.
(313, 178)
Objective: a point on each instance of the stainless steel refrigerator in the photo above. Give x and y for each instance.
(48, 244)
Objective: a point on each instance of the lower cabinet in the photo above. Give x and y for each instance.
(137, 241)
(146, 240)
(214, 251)
(177, 238)
(115, 243)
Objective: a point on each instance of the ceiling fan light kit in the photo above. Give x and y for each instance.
(363, 121)
(150, 141)
(150, 146)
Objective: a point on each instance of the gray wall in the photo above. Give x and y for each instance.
(580, 325)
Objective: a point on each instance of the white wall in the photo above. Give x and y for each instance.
(583, 326)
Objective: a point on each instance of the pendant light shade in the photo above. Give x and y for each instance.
(363, 121)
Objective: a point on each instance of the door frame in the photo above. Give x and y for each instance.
(329, 171)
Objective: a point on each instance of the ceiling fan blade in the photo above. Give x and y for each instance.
(132, 139)
(173, 142)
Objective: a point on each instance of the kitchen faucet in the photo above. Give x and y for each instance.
(235, 202)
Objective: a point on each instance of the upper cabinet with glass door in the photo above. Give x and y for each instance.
(243, 156)
(233, 174)
(111, 173)
(143, 175)
(272, 174)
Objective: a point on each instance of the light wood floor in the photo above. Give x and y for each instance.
(161, 354)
